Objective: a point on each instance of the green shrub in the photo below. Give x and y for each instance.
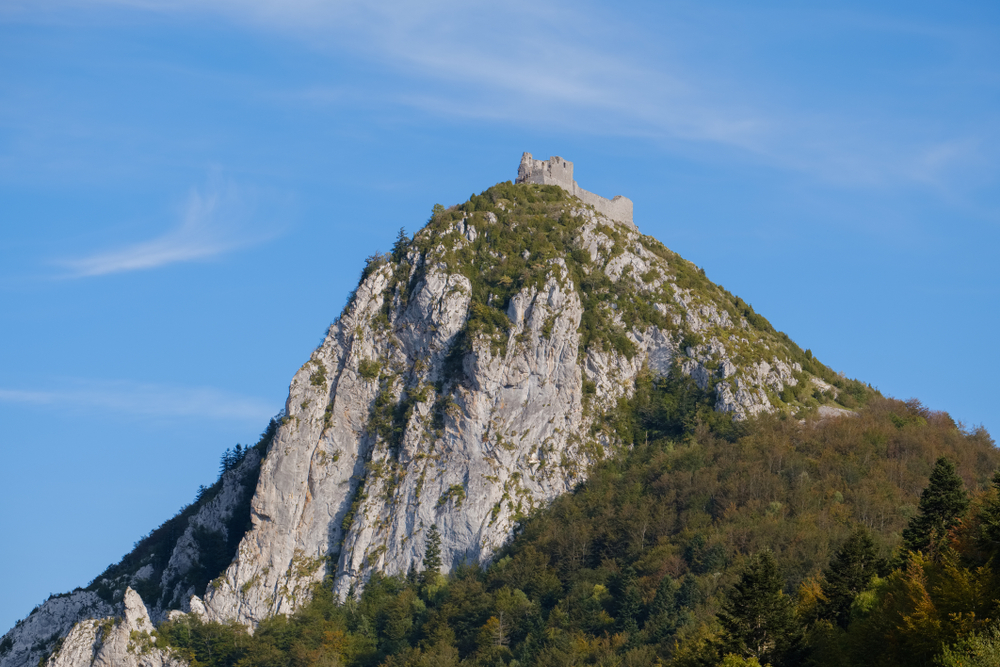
(547, 326)
(318, 377)
(691, 339)
(369, 369)
(455, 493)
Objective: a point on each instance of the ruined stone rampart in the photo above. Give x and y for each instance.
(557, 171)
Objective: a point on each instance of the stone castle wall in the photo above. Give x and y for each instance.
(557, 171)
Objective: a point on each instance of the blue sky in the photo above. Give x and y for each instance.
(188, 191)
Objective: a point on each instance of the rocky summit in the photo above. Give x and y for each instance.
(465, 384)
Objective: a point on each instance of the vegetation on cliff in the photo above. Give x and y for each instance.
(518, 231)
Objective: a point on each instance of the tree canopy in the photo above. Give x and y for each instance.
(697, 544)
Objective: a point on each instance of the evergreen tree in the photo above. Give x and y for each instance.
(850, 572)
(942, 504)
(758, 619)
(665, 601)
(401, 245)
(629, 603)
(989, 521)
(703, 558)
(227, 461)
(432, 556)
(689, 596)
(665, 615)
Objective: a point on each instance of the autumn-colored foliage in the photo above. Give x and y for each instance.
(635, 565)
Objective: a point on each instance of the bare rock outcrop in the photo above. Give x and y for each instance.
(35, 636)
(120, 640)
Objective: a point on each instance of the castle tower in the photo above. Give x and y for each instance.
(557, 171)
(554, 171)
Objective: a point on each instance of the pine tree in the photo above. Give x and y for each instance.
(665, 601)
(942, 504)
(850, 572)
(225, 462)
(664, 613)
(432, 556)
(401, 245)
(758, 619)
(629, 603)
(689, 596)
(989, 521)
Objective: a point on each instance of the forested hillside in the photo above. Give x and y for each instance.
(702, 542)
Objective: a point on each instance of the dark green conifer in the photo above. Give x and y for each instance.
(665, 601)
(988, 537)
(401, 245)
(850, 572)
(432, 556)
(629, 603)
(689, 596)
(758, 620)
(664, 613)
(942, 504)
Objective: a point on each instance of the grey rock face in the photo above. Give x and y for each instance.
(36, 635)
(108, 636)
(214, 517)
(471, 466)
(115, 641)
(831, 412)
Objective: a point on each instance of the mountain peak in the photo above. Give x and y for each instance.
(476, 374)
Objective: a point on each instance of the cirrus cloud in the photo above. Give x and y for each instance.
(140, 399)
(212, 222)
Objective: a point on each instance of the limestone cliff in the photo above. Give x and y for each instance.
(465, 383)
(123, 640)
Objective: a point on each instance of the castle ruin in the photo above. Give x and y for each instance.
(557, 171)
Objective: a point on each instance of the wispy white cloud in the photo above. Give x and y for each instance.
(541, 63)
(580, 67)
(144, 400)
(564, 66)
(212, 222)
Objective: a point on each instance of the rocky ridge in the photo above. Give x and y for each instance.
(115, 641)
(466, 383)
